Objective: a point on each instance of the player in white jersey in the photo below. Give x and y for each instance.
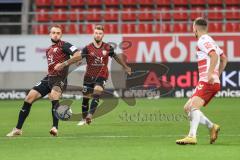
(211, 63)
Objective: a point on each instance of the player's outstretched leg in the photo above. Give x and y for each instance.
(24, 112)
(213, 128)
(214, 133)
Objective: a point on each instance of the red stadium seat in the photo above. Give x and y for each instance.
(111, 14)
(145, 14)
(233, 13)
(232, 27)
(215, 2)
(40, 3)
(128, 28)
(215, 13)
(72, 29)
(197, 12)
(146, 2)
(197, 2)
(111, 2)
(42, 15)
(60, 3)
(232, 2)
(76, 14)
(145, 28)
(89, 28)
(94, 2)
(81, 31)
(163, 2)
(180, 2)
(129, 14)
(180, 13)
(94, 14)
(77, 3)
(180, 27)
(64, 29)
(40, 29)
(164, 13)
(110, 28)
(59, 15)
(215, 27)
(130, 2)
(163, 28)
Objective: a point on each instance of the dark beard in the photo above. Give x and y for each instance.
(97, 41)
(54, 41)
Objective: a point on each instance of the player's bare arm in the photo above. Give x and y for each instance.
(223, 63)
(74, 59)
(213, 63)
(123, 64)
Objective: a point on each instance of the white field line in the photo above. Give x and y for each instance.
(111, 136)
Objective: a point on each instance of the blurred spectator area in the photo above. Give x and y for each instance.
(128, 16)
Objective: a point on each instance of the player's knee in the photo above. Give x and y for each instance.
(195, 105)
(55, 93)
(98, 90)
(50, 97)
(31, 97)
(197, 102)
(55, 96)
(186, 109)
(56, 90)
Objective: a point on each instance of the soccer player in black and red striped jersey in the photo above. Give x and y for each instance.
(97, 55)
(54, 83)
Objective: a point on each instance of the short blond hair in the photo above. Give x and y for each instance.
(99, 27)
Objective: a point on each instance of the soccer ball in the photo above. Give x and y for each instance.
(63, 112)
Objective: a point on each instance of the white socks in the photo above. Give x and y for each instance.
(196, 117)
(205, 121)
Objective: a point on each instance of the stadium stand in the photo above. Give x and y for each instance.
(132, 16)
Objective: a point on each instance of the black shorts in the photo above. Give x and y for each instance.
(47, 83)
(57, 81)
(90, 82)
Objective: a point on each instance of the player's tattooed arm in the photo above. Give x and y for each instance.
(74, 59)
(223, 63)
(122, 63)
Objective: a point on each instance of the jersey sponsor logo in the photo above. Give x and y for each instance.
(98, 61)
(73, 48)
